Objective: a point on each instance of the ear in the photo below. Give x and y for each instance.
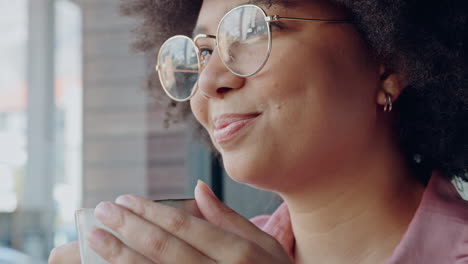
(391, 82)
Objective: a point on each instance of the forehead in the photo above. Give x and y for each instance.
(273, 2)
(263, 3)
(213, 10)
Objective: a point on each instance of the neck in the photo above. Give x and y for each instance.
(359, 218)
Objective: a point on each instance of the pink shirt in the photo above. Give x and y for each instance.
(437, 234)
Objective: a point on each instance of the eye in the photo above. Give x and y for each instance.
(205, 51)
(277, 25)
(205, 54)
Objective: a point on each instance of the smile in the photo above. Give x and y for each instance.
(229, 126)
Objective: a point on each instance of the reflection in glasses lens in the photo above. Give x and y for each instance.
(243, 42)
(178, 67)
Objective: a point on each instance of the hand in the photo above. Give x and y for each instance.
(68, 253)
(163, 234)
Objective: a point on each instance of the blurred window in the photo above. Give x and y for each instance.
(18, 229)
(13, 25)
(67, 118)
(3, 122)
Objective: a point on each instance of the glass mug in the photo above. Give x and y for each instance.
(86, 221)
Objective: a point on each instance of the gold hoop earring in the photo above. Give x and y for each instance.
(388, 103)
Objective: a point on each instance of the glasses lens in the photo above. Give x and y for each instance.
(178, 67)
(244, 39)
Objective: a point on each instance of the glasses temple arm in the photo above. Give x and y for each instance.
(276, 18)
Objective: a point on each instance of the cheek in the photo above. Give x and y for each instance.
(339, 71)
(199, 107)
(328, 93)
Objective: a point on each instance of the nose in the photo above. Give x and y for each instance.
(216, 81)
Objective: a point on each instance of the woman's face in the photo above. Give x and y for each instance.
(310, 110)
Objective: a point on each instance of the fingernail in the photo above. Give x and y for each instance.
(125, 200)
(206, 188)
(105, 210)
(97, 238)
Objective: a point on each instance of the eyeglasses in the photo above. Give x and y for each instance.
(243, 42)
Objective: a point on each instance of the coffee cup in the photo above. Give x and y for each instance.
(86, 221)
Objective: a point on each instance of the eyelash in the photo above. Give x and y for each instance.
(278, 25)
(203, 56)
(203, 49)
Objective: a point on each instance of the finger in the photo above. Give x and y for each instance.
(219, 214)
(68, 253)
(147, 238)
(113, 250)
(212, 241)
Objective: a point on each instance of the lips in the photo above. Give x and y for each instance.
(228, 126)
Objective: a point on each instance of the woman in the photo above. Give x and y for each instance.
(356, 116)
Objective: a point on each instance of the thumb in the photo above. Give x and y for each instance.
(219, 214)
(210, 206)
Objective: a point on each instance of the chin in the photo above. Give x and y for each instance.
(245, 171)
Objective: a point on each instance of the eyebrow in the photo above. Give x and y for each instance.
(199, 30)
(268, 3)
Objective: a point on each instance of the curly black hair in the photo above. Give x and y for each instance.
(427, 39)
